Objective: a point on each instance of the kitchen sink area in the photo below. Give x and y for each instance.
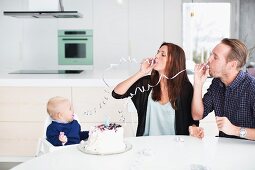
(61, 77)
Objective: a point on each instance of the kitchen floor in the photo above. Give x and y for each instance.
(8, 165)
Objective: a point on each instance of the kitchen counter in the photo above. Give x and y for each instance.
(87, 78)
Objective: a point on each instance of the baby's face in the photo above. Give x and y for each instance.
(66, 111)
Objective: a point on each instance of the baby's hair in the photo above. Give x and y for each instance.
(53, 105)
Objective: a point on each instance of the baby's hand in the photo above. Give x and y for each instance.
(62, 137)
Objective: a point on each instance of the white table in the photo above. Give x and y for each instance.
(156, 152)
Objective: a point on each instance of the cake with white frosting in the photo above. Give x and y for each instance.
(106, 139)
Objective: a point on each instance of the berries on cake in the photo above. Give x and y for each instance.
(105, 139)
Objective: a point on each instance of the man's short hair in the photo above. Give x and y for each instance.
(239, 51)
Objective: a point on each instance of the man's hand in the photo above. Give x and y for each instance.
(226, 126)
(201, 71)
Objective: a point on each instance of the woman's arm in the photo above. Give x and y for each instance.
(122, 87)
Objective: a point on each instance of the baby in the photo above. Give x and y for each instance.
(64, 129)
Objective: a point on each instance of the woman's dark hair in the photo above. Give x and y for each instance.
(175, 63)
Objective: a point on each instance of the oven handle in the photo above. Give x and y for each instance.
(74, 39)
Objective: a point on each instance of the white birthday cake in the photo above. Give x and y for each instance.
(106, 139)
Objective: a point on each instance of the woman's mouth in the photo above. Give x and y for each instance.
(155, 61)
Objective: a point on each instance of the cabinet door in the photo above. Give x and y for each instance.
(22, 115)
(146, 21)
(110, 31)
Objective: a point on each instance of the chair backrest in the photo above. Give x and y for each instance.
(47, 122)
(43, 145)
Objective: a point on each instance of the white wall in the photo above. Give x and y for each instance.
(173, 21)
(247, 27)
(133, 28)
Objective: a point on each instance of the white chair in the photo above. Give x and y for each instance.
(45, 146)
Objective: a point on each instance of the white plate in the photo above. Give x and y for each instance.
(82, 147)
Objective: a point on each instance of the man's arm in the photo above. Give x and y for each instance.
(197, 106)
(250, 133)
(227, 127)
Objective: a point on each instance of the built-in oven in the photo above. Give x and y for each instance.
(75, 47)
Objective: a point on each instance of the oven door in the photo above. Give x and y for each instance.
(75, 50)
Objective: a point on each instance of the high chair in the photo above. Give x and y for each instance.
(45, 146)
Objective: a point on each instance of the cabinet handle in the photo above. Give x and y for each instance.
(74, 39)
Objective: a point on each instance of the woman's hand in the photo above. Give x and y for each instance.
(147, 65)
(196, 131)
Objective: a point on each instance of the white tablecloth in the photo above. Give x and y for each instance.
(155, 153)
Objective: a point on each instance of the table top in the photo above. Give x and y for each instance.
(156, 152)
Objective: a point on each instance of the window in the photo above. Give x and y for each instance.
(205, 23)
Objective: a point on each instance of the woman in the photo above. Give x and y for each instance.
(163, 102)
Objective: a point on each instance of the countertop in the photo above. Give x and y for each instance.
(88, 78)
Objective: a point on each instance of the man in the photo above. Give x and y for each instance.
(232, 92)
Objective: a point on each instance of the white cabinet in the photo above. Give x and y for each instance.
(173, 21)
(110, 31)
(23, 112)
(146, 27)
(127, 28)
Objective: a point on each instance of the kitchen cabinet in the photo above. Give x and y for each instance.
(24, 98)
(121, 28)
(23, 111)
(146, 27)
(110, 31)
(127, 28)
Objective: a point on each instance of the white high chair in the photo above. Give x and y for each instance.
(45, 146)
